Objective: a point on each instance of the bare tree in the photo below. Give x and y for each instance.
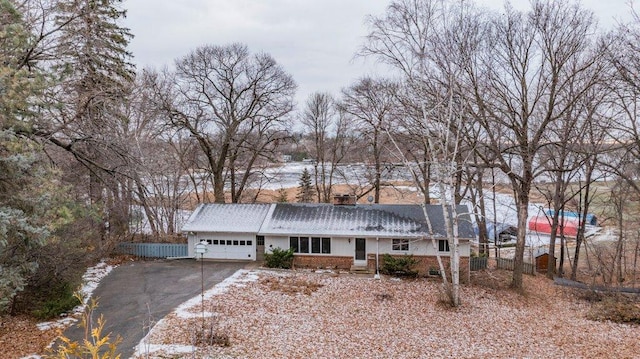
(570, 156)
(535, 68)
(371, 102)
(328, 129)
(235, 105)
(420, 38)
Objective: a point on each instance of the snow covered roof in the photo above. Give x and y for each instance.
(322, 219)
(220, 217)
(373, 220)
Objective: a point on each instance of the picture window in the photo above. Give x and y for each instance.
(317, 245)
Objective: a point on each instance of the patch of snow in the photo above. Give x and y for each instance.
(164, 349)
(239, 277)
(609, 235)
(323, 271)
(90, 281)
(341, 319)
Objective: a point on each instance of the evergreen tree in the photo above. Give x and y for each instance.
(21, 174)
(282, 196)
(96, 76)
(305, 189)
(41, 244)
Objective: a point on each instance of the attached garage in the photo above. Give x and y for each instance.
(236, 230)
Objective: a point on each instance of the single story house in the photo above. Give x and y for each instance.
(341, 235)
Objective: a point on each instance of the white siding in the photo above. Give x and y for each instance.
(341, 247)
(344, 246)
(417, 247)
(271, 242)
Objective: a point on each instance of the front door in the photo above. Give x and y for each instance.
(361, 252)
(259, 248)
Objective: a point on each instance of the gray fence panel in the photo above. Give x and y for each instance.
(478, 263)
(508, 264)
(154, 250)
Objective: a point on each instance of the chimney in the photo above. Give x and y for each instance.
(344, 200)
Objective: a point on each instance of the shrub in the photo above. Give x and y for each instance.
(95, 345)
(399, 266)
(63, 301)
(279, 258)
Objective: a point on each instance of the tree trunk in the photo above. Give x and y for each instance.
(518, 261)
(561, 264)
(218, 187)
(477, 198)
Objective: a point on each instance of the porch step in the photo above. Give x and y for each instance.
(360, 270)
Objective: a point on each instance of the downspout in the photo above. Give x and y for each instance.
(377, 276)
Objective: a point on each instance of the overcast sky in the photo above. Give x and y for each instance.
(314, 40)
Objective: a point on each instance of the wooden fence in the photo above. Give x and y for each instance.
(478, 263)
(154, 250)
(507, 263)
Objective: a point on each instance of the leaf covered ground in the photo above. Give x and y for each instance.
(276, 314)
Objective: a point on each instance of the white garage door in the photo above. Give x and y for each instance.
(230, 249)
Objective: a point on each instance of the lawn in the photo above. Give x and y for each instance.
(302, 314)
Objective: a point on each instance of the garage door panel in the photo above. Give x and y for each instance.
(230, 249)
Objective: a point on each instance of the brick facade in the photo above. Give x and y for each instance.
(331, 262)
(426, 263)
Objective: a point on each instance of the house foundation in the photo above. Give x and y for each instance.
(427, 265)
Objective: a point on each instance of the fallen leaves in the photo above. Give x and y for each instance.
(19, 337)
(355, 317)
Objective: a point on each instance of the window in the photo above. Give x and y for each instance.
(228, 242)
(443, 245)
(400, 245)
(320, 245)
(315, 245)
(208, 241)
(304, 244)
(259, 241)
(326, 245)
(242, 243)
(235, 243)
(293, 243)
(249, 243)
(215, 241)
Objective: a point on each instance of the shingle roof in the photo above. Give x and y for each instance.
(220, 217)
(360, 220)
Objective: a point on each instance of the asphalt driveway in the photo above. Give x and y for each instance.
(135, 293)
